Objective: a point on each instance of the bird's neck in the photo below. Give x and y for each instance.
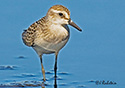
(54, 25)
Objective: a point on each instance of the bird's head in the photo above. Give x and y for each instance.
(59, 14)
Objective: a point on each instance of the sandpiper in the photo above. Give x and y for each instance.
(50, 33)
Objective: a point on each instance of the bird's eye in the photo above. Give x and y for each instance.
(60, 14)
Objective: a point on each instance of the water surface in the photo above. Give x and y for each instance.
(95, 55)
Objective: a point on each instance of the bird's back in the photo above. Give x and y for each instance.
(29, 35)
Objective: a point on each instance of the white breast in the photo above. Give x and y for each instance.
(62, 36)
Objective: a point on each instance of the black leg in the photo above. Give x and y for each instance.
(43, 71)
(55, 68)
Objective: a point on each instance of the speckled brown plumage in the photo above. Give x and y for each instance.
(29, 35)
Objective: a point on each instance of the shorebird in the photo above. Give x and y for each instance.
(50, 33)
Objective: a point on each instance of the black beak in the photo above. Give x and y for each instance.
(74, 25)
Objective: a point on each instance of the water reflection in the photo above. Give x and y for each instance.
(43, 85)
(55, 83)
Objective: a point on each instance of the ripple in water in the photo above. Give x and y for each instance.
(7, 67)
(21, 57)
(25, 84)
(49, 72)
(91, 81)
(63, 84)
(81, 86)
(23, 75)
(63, 73)
(58, 78)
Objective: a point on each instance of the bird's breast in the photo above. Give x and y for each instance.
(56, 34)
(53, 39)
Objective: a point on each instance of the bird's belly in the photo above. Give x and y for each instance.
(48, 48)
(58, 46)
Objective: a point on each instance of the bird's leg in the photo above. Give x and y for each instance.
(55, 68)
(43, 71)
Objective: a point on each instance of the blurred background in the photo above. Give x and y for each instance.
(96, 54)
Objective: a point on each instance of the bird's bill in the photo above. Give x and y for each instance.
(74, 25)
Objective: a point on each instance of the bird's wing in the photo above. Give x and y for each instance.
(28, 35)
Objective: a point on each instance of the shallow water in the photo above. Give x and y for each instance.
(91, 59)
